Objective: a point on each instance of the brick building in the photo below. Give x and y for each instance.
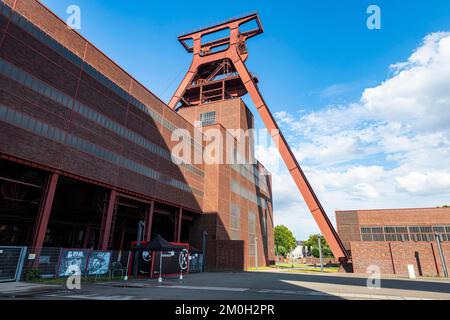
(394, 238)
(85, 154)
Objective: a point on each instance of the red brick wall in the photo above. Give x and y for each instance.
(31, 55)
(225, 255)
(393, 257)
(349, 222)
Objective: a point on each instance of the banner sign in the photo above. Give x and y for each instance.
(70, 260)
(99, 263)
(144, 262)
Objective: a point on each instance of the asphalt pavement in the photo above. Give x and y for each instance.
(274, 285)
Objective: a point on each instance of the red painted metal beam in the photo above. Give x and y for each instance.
(149, 221)
(87, 233)
(177, 225)
(237, 54)
(107, 220)
(45, 209)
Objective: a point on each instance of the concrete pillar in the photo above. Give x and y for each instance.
(149, 221)
(107, 219)
(45, 208)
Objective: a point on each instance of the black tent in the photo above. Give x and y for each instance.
(193, 250)
(160, 244)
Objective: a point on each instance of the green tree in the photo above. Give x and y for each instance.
(285, 241)
(313, 245)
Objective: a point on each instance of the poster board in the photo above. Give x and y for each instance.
(70, 259)
(98, 263)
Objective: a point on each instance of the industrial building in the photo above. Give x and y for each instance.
(85, 154)
(393, 238)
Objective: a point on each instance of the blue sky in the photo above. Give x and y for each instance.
(315, 46)
(365, 137)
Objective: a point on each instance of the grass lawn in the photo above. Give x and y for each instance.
(298, 267)
(83, 279)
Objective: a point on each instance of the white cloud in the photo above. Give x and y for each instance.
(419, 92)
(390, 149)
(428, 183)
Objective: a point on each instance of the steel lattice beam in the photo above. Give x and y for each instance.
(236, 53)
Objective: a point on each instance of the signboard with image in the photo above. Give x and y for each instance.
(71, 259)
(99, 263)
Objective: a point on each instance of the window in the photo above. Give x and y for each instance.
(264, 225)
(207, 118)
(235, 222)
(251, 234)
(405, 233)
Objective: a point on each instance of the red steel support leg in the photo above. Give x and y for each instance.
(105, 232)
(205, 61)
(149, 221)
(177, 228)
(300, 179)
(44, 214)
(182, 87)
(44, 210)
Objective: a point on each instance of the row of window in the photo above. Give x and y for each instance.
(247, 194)
(406, 229)
(251, 234)
(404, 233)
(252, 174)
(235, 221)
(63, 51)
(235, 227)
(207, 118)
(249, 171)
(24, 78)
(37, 127)
(416, 237)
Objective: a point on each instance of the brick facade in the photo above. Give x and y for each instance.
(103, 126)
(219, 198)
(408, 226)
(394, 257)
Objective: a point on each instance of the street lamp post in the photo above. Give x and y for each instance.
(140, 232)
(256, 252)
(204, 235)
(320, 252)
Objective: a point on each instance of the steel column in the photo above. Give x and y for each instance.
(44, 213)
(177, 227)
(87, 233)
(149, 221)
(108, 214)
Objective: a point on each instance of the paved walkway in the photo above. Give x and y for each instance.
(12, 289)
(249, 286)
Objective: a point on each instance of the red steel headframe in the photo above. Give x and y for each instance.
(236, 54)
